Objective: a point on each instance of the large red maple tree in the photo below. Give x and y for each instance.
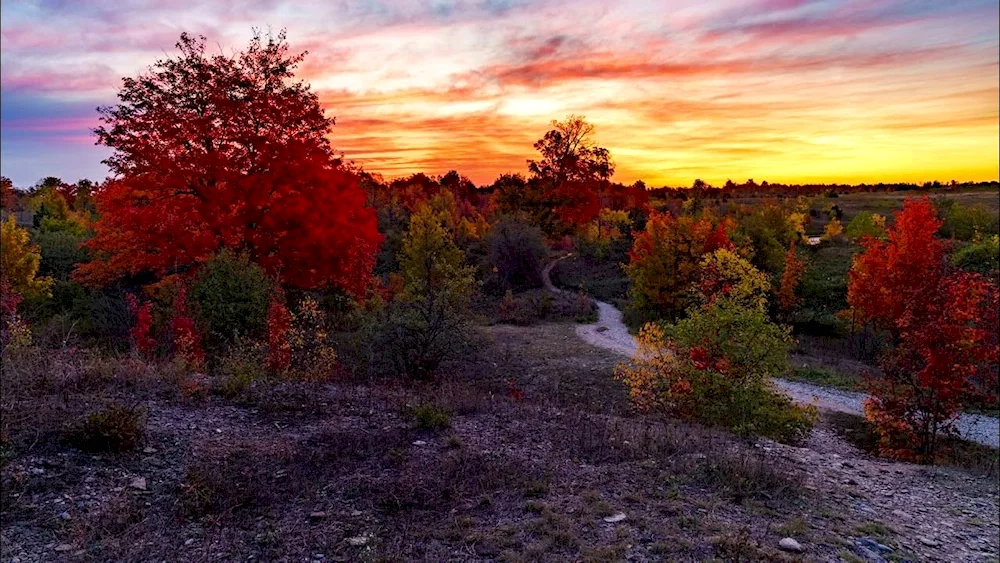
(215, 151)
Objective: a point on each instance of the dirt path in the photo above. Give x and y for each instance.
(609, 332)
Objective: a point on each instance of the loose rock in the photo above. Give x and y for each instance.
(357, 541)
(788, 544)
(615, 518)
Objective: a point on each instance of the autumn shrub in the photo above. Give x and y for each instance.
(606, 238)
(516, 256)
(833, 232)
(141, 331)
(791, 276)
(241, 367)
(511, 310)
(279, 346)
(14, 332)
(312, 354)
(114, 428)
(541, 305)
(964, 222)
(714, 367)
(768, 229)
(230, 299)
(20, 261)
(724, 274)
(186, 340)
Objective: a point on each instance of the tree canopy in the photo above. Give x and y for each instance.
(217, 152)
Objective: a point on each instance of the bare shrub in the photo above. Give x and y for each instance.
(115, 428)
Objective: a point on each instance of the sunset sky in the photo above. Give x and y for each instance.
(778, 90)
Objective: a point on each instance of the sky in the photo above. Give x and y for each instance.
(777, 90)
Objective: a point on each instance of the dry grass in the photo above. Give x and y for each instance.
(285, 470)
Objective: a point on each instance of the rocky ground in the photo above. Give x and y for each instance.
(538, 460)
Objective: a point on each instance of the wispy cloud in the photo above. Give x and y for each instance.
(837, 90)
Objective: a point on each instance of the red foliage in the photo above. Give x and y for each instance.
(513, 391)
(943, 325)
(720, 236)
(142, 327)
(9, 300)
(279, 349)
(577, 203)
(8, 197)
(699, 357)
(187, 340)
(892, 277)
(214, 152)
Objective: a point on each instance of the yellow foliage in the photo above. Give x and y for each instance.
(19, 261)
(645, 374)
(879, 221)
(834, 230)
(798, 222)
(725, 275)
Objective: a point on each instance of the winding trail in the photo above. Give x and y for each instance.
(610, 332)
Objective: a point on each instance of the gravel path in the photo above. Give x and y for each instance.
(610, 332)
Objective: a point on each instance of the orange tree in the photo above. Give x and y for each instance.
(215, 152)
(943, 328)
(791, 276)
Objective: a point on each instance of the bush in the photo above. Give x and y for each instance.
(61, 253)
(715, 368)
(115, 428)
(769, 228)
(864, 224)
(539, 305)
(516, 256)
(982, 257)
(725, 274)
(665, 261)
(964, 222)
(431, 417)
(230, 296)
(241, 367)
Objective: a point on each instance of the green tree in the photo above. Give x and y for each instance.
(428, 320)
(864, 224)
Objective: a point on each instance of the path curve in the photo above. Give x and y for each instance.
(610, 332)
